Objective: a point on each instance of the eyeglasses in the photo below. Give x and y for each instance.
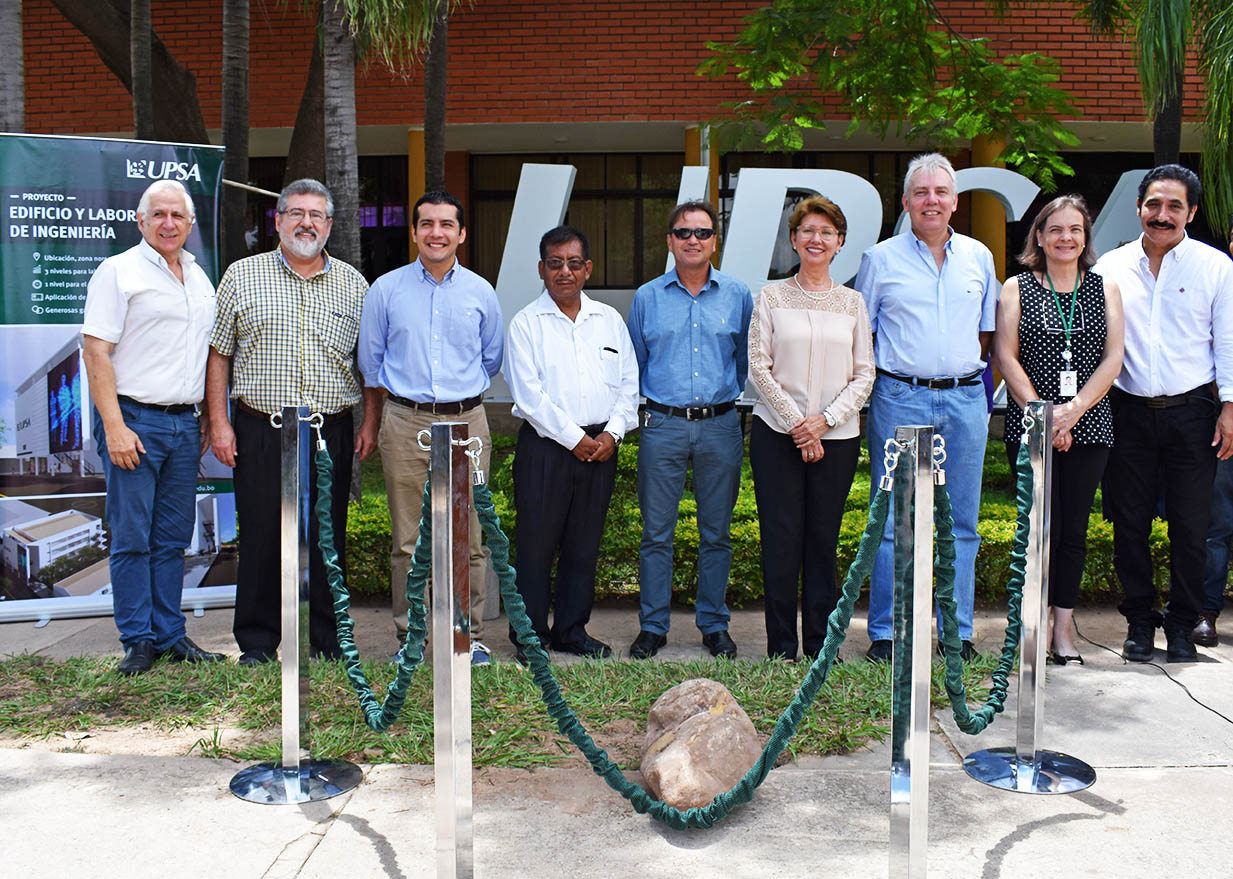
(823, 232)
(556, 264)
(682, 234)
(298, 214)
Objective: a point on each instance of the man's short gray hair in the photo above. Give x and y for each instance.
(928, 162)
(306, 186)
(143, 206)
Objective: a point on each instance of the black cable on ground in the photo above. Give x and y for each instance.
(1157, 665)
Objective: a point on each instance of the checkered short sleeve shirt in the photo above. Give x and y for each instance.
(292, 338)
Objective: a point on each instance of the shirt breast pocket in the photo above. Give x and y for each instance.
(610, 366)
(337, 329)
(464, 328)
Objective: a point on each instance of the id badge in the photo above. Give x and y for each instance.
(1068, 383)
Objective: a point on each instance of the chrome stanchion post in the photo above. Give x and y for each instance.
(297, 778)
(910, 668)
(451, 647)
(1027, 768)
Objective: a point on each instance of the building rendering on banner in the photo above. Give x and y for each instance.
(35, 544)
(620, 102)
(51, 423)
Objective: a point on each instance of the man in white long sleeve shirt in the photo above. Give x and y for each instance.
(1168, 426)
(574, 379)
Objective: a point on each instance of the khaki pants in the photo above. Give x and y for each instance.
(406, 471)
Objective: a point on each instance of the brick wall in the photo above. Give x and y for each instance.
(519, 62)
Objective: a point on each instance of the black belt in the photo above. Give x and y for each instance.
(326, 418)
(936, 384)
(170, 409)
(439, 408)
(692, 413)
(1166, 401)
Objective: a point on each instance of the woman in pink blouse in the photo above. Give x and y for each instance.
(811, 361)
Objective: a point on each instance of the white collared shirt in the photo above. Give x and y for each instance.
(160, 327)
(1179, 326)
(564, 374)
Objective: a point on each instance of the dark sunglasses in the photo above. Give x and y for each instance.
(683, 234)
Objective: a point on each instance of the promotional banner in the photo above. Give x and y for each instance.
(69, 203)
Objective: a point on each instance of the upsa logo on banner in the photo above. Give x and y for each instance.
(151, 169)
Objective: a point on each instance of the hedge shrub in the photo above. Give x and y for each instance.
(368, 534)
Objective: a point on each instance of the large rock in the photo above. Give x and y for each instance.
(699, 742)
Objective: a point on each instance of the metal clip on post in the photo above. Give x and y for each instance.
(939, 458)
(298, 778)
(474, 448)
(911, 673)
(451, 646)
(1026, 768)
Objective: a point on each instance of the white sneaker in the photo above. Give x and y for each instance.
(480, 654)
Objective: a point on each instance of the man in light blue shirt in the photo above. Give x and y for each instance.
(932, 297)
(431, 338)
(690, 330)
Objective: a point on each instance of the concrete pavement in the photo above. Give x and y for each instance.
(1161, 804)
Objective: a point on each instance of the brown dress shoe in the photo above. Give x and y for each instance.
(1205, 632)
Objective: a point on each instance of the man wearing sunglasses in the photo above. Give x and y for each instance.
(690, 330)
(285, 334)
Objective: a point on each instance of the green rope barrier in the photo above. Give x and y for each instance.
(785, 727)
(378, 715)
(973, 722)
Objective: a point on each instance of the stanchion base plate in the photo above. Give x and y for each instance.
(271, 784)
(1049, 773)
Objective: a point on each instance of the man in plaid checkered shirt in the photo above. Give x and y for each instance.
(285, 330)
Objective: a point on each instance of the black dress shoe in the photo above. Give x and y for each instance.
(720, 644)
(1139, 645)
(1204, 633)
(1179, 647)
(138, 657)
(185, 650)
(880, 650)
(584, 646)
(255, 657)
(966, 651)
(646, 645)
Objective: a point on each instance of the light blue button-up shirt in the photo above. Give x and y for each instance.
(691, 350)
(927, 322)
(430, 342)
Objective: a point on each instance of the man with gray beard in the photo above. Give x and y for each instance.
(284, 335)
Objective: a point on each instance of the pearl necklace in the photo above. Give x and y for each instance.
(814, 293)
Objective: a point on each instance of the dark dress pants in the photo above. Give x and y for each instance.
(1076, 474)
(1154, 449)
(258, 506)
(800, 509)
(561, 506)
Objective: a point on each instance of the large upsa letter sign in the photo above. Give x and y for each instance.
(757, 212)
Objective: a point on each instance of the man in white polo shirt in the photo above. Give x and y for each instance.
(574, 378)
(148, 317)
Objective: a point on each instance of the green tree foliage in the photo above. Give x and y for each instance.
(892, 63)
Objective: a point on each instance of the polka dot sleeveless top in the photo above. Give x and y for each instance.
(1042, 340)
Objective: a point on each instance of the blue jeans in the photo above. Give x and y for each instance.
(150, 511)
(960, 416)
(1219, 539)
(668, 446)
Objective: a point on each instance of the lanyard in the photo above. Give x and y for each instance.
(1067, 322)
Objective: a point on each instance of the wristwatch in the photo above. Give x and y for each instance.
(830, 419)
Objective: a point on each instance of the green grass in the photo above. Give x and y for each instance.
(40, 698)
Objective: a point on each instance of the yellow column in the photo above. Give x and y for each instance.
(415, 180)
(698, 152)
(988, 215)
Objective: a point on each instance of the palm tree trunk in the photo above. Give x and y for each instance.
(306, 155)
(140, 57)
(12, 74)
(435, 67)
(1167, 126)
(341, 163)
(235, 126)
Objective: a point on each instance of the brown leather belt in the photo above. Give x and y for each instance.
(1166, 401)
(438, 408)
(692, 413)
